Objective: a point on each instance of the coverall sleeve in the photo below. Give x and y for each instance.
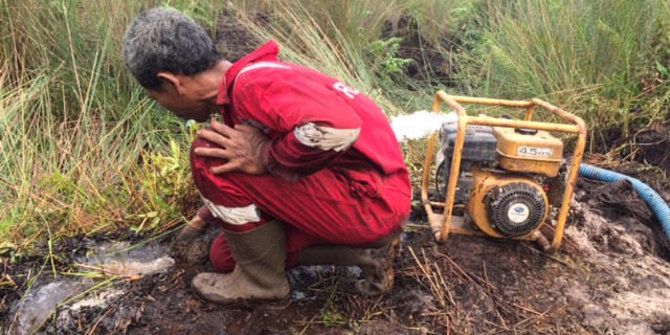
(314, 122)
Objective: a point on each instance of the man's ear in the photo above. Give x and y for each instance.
(170, 80)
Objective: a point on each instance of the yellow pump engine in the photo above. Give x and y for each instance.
(494, 174)
(502, 177)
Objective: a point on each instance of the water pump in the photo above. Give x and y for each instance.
(495, 176)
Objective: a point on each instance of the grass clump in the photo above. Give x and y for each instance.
(80, 143)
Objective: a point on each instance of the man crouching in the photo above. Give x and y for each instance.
(304, 170)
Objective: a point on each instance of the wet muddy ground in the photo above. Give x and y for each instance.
(611, 276)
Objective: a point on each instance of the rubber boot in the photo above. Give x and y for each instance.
(187, 233)
(259, 271)
(376, 262)
(191, 230)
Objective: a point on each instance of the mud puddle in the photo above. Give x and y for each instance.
(93, 281)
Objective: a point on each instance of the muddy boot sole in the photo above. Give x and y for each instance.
(244, 303)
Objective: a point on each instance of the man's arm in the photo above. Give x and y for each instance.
(316, 124)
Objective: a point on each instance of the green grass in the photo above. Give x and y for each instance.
(84, 151)
(592, 57)
(82, 148)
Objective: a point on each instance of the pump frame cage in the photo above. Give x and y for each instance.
(443, 224)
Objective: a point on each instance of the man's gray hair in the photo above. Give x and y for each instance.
(165, 40)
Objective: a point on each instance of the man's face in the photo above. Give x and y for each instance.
(183, 105)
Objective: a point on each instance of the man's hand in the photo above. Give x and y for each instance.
(241, 146)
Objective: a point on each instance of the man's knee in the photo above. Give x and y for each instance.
(198, 163)
(224, 194)
(209, 184)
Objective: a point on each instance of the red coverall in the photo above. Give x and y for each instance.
(336, 172)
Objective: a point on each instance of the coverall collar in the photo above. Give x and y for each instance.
(267, 52)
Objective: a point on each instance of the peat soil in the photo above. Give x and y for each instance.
(610, 276)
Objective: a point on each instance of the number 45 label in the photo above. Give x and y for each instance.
(535, 152)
